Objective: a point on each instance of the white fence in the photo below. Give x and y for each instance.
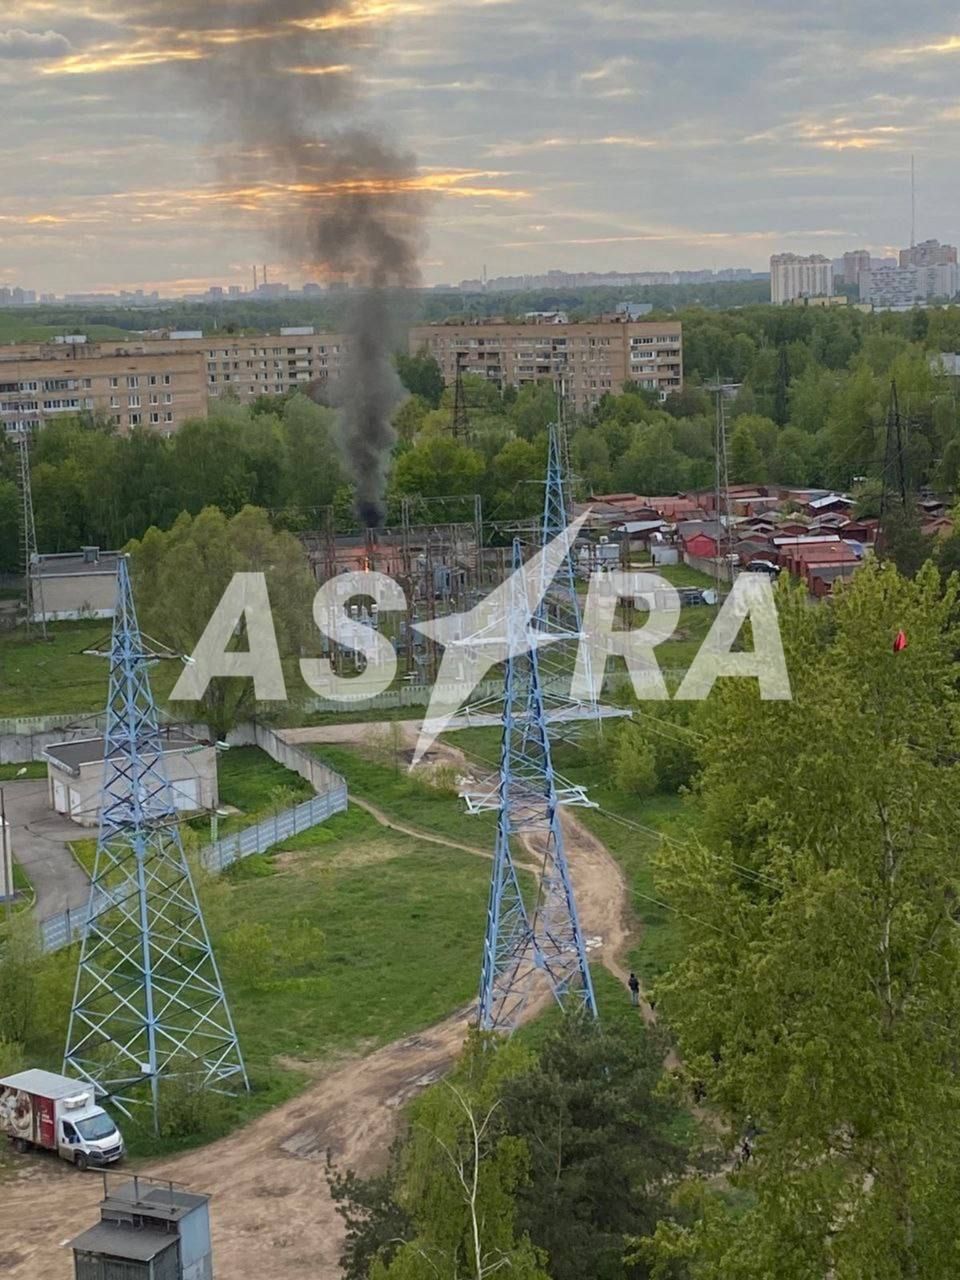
(61, 930)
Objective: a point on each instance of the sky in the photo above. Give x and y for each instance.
(584, 135)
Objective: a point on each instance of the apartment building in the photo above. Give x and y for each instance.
(254, 365)
(900, 288)
(158, 391)
(928, 253)
(794, 276)
(158, 383)
(594, 359)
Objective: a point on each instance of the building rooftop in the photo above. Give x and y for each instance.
(133, 1244)
(73, 563)
(73, 755)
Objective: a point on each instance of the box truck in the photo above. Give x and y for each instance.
(40, 1109)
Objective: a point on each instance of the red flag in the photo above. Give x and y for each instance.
(901, 642)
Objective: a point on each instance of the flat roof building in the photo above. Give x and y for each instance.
(80, 584)
(794, 276)
(594, 359)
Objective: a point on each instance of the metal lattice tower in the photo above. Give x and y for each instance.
(149, 1004)
(893, 495)
(722, 478)
(461, 416)
(28, 538)
(544, 938)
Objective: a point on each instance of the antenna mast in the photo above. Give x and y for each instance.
(913, 203)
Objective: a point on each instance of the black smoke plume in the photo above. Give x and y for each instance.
(339, 196)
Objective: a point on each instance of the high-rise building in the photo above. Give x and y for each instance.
(854, 263)
(593, 359)
(793, 276)
(796, 277)
(929, 253)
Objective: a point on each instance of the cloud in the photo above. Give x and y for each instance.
(20, 44)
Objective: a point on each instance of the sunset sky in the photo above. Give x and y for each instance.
(581, 134)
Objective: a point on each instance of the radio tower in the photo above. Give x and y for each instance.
(28, 538)
(523, 941)
(149, 1004)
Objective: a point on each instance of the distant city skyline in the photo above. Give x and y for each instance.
(599, 134)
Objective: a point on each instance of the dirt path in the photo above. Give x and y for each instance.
(272, 1213)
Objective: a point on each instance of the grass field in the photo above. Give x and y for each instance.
(17, 327)
(32, 769)
(408, 799)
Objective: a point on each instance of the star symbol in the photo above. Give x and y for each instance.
(500, 627)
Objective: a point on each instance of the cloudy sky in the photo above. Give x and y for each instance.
(581, 134)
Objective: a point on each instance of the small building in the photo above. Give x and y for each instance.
(75, 776)
(148, 1230)
(80, 584)
(641, 534)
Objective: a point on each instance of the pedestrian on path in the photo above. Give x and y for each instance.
(634, 985)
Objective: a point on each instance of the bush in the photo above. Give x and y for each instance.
(634, 762)
(189, 1110)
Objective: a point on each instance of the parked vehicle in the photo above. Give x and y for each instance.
(764, 566)
(54, 1113)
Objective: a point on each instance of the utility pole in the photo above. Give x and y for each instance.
(461, 416)
(148, 1003)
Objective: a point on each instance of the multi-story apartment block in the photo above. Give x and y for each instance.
(158, 391)
(900, 288)
(592, 359)
(928, 253)
(793, 276)
(854, 264)
(159, 383)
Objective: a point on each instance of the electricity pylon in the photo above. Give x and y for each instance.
(29, 558)
(545, 937)
(148, 1004)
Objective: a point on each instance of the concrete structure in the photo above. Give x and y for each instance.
(855, 262)
(80, 584)
(928, 253)
(794, 276)
(595, 359)
(900, 288)
(148, 1230)
(75, 776)
(158, 390)
(162, 382)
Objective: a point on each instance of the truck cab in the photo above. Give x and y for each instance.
(88, 1137)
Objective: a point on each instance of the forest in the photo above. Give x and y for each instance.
(815, 392)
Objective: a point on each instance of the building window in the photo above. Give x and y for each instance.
(154, 419)
(114, 402)
(153, 379)
(167, 379)
(168, 397)
(133, 382)
(133, 402)
(135, 419)
(168, 417)
(154, 398)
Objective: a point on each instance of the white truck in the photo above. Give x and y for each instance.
(54, 1113)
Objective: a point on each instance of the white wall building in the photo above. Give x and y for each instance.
(793, 276)
(904, 287)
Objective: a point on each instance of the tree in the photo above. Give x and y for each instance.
(601, 1154)
(460, 1176)
(203, 554)
(746, 461)
(634, 761)
(818, 991)
(376, 1224)
(438, 465)
(422, 376)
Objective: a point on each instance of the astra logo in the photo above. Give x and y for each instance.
(510, 622)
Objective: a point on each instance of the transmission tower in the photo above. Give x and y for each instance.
(461, 418)
(149, 1004)
(28, 538)
(545, 938)
(722, 478)
(893, 494)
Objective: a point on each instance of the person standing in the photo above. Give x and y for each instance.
(634, 985)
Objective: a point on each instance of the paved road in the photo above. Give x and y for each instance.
(39, 836)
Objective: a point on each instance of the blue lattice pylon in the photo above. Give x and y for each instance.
(148, 1004)
(545, 937)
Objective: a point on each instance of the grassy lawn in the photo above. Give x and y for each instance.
(54, 677)
(682, 575)
(33, 769)
(20, 326)
(408, 799)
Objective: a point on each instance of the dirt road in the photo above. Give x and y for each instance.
(272, 1212)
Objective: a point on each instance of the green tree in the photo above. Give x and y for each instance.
(601, 1154)
(746, 460)
(634, 761)
(205, 552)
(818, 991)
(460, 1176)
(422, 376)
